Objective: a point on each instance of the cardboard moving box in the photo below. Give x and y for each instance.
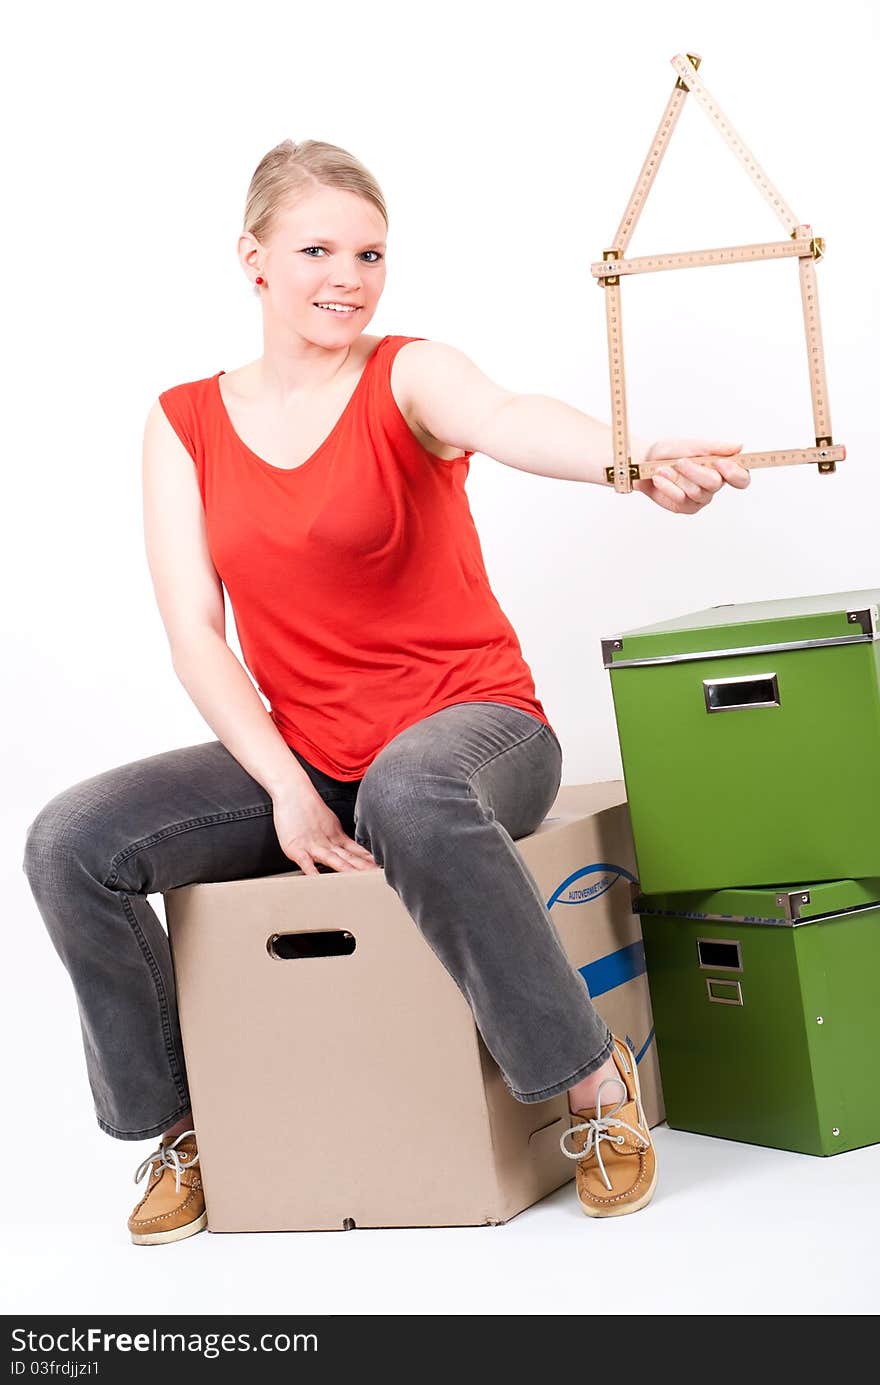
(315, 1016)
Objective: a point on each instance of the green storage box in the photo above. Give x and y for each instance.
(766, 1014)
(750, 740)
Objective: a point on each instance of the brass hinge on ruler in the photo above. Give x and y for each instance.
(801, 245)
(694, 59)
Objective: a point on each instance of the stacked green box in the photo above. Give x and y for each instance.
(750, 739)
(766, 1014)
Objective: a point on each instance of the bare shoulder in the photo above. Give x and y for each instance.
(415, 366)
(443, 393)
(418, 360)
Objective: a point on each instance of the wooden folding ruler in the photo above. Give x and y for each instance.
(802, 243)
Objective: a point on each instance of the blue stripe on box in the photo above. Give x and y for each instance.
(615, 969)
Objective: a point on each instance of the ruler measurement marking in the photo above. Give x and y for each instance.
(648, 171)
(815, 352)
(762, 181)
(753, 461)
(694, 259)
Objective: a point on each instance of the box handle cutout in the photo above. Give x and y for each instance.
(719, 954)
(327, 942)
(733, 694)
(724, 992)
(548, 1125)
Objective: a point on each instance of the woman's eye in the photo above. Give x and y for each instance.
(366, 252)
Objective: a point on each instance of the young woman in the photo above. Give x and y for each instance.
(323, 485)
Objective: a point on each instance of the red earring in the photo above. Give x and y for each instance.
(259, 279)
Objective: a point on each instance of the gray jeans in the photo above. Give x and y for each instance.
(439, 810)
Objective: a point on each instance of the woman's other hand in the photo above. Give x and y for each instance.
(310, 832)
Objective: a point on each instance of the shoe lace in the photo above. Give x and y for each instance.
(599, 1128)
(167, 1156)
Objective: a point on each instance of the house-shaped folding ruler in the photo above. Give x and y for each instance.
(802, 244)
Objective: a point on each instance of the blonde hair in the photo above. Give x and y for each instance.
(289, 172)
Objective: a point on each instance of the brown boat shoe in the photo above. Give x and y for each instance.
(174, 1204)
(617, 1166)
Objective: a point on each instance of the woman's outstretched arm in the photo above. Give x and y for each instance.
(458, 404)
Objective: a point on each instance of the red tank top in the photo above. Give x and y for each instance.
(356, 579)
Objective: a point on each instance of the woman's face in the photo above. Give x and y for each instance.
(329, 248)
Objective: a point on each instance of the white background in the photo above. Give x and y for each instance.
(506, 138)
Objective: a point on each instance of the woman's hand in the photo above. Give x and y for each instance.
(687, 487)
(309, 831)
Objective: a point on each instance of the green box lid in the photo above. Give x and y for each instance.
(786, 905)
(757, 626)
